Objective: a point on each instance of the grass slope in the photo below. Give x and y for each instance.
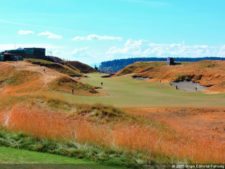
(66, 84)
(84, 68)
(69, 70)
(207, 73)
(23, 77)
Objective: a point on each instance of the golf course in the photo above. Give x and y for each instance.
(127, 92)
(48, 116)
(112, 84)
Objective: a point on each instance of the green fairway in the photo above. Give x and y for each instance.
(125, 91)
(16, 156)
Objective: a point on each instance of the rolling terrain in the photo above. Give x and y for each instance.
(118, 121)
(114, 66)
(207, 73)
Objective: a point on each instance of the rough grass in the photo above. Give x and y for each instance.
(71, 71)
(99, 125)
(69, 85)
(112, 128)
(14, 80)
(17, 77)
(104, 114)
(139, 67)
(97, 113)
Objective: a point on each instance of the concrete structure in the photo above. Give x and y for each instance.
(38, 53)
(10, 57)
(35, 52)
(170, 61)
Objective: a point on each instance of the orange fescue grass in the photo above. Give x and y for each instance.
(122, 135)
(197, 134)
(52, 125)
(139, 138)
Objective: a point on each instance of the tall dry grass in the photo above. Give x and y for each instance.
(121, 135)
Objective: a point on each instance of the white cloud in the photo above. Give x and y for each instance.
(50, 35)
(25, 32)
(15, 46)
(86, 55)
(97, 37)
(140, 48)
(47, 34)
(131, 46)
(78, 51)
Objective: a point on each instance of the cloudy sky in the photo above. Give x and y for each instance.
(97, 30)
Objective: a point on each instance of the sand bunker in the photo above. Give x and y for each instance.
(188, 86)
(140, 77)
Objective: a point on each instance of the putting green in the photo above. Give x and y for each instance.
(127, 92)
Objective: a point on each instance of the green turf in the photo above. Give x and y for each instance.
(125, 91)
(18, 156)
(10, 155)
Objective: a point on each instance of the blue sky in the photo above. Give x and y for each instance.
(96, 30)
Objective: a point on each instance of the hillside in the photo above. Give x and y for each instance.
(84, 68)
(58, 66)
(118, 64)
(24, 77)
(207, 73)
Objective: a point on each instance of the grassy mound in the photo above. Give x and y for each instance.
(96, 113)
(102, 113)
(140, 67)
(69, 85)
(69, 70)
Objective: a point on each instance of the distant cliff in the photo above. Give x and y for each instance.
(116, 65)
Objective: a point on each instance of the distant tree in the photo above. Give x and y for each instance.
(96, 68)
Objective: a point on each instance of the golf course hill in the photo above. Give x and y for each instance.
(71, 68)
(83, 68)
(209, 74)
(28, 77)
